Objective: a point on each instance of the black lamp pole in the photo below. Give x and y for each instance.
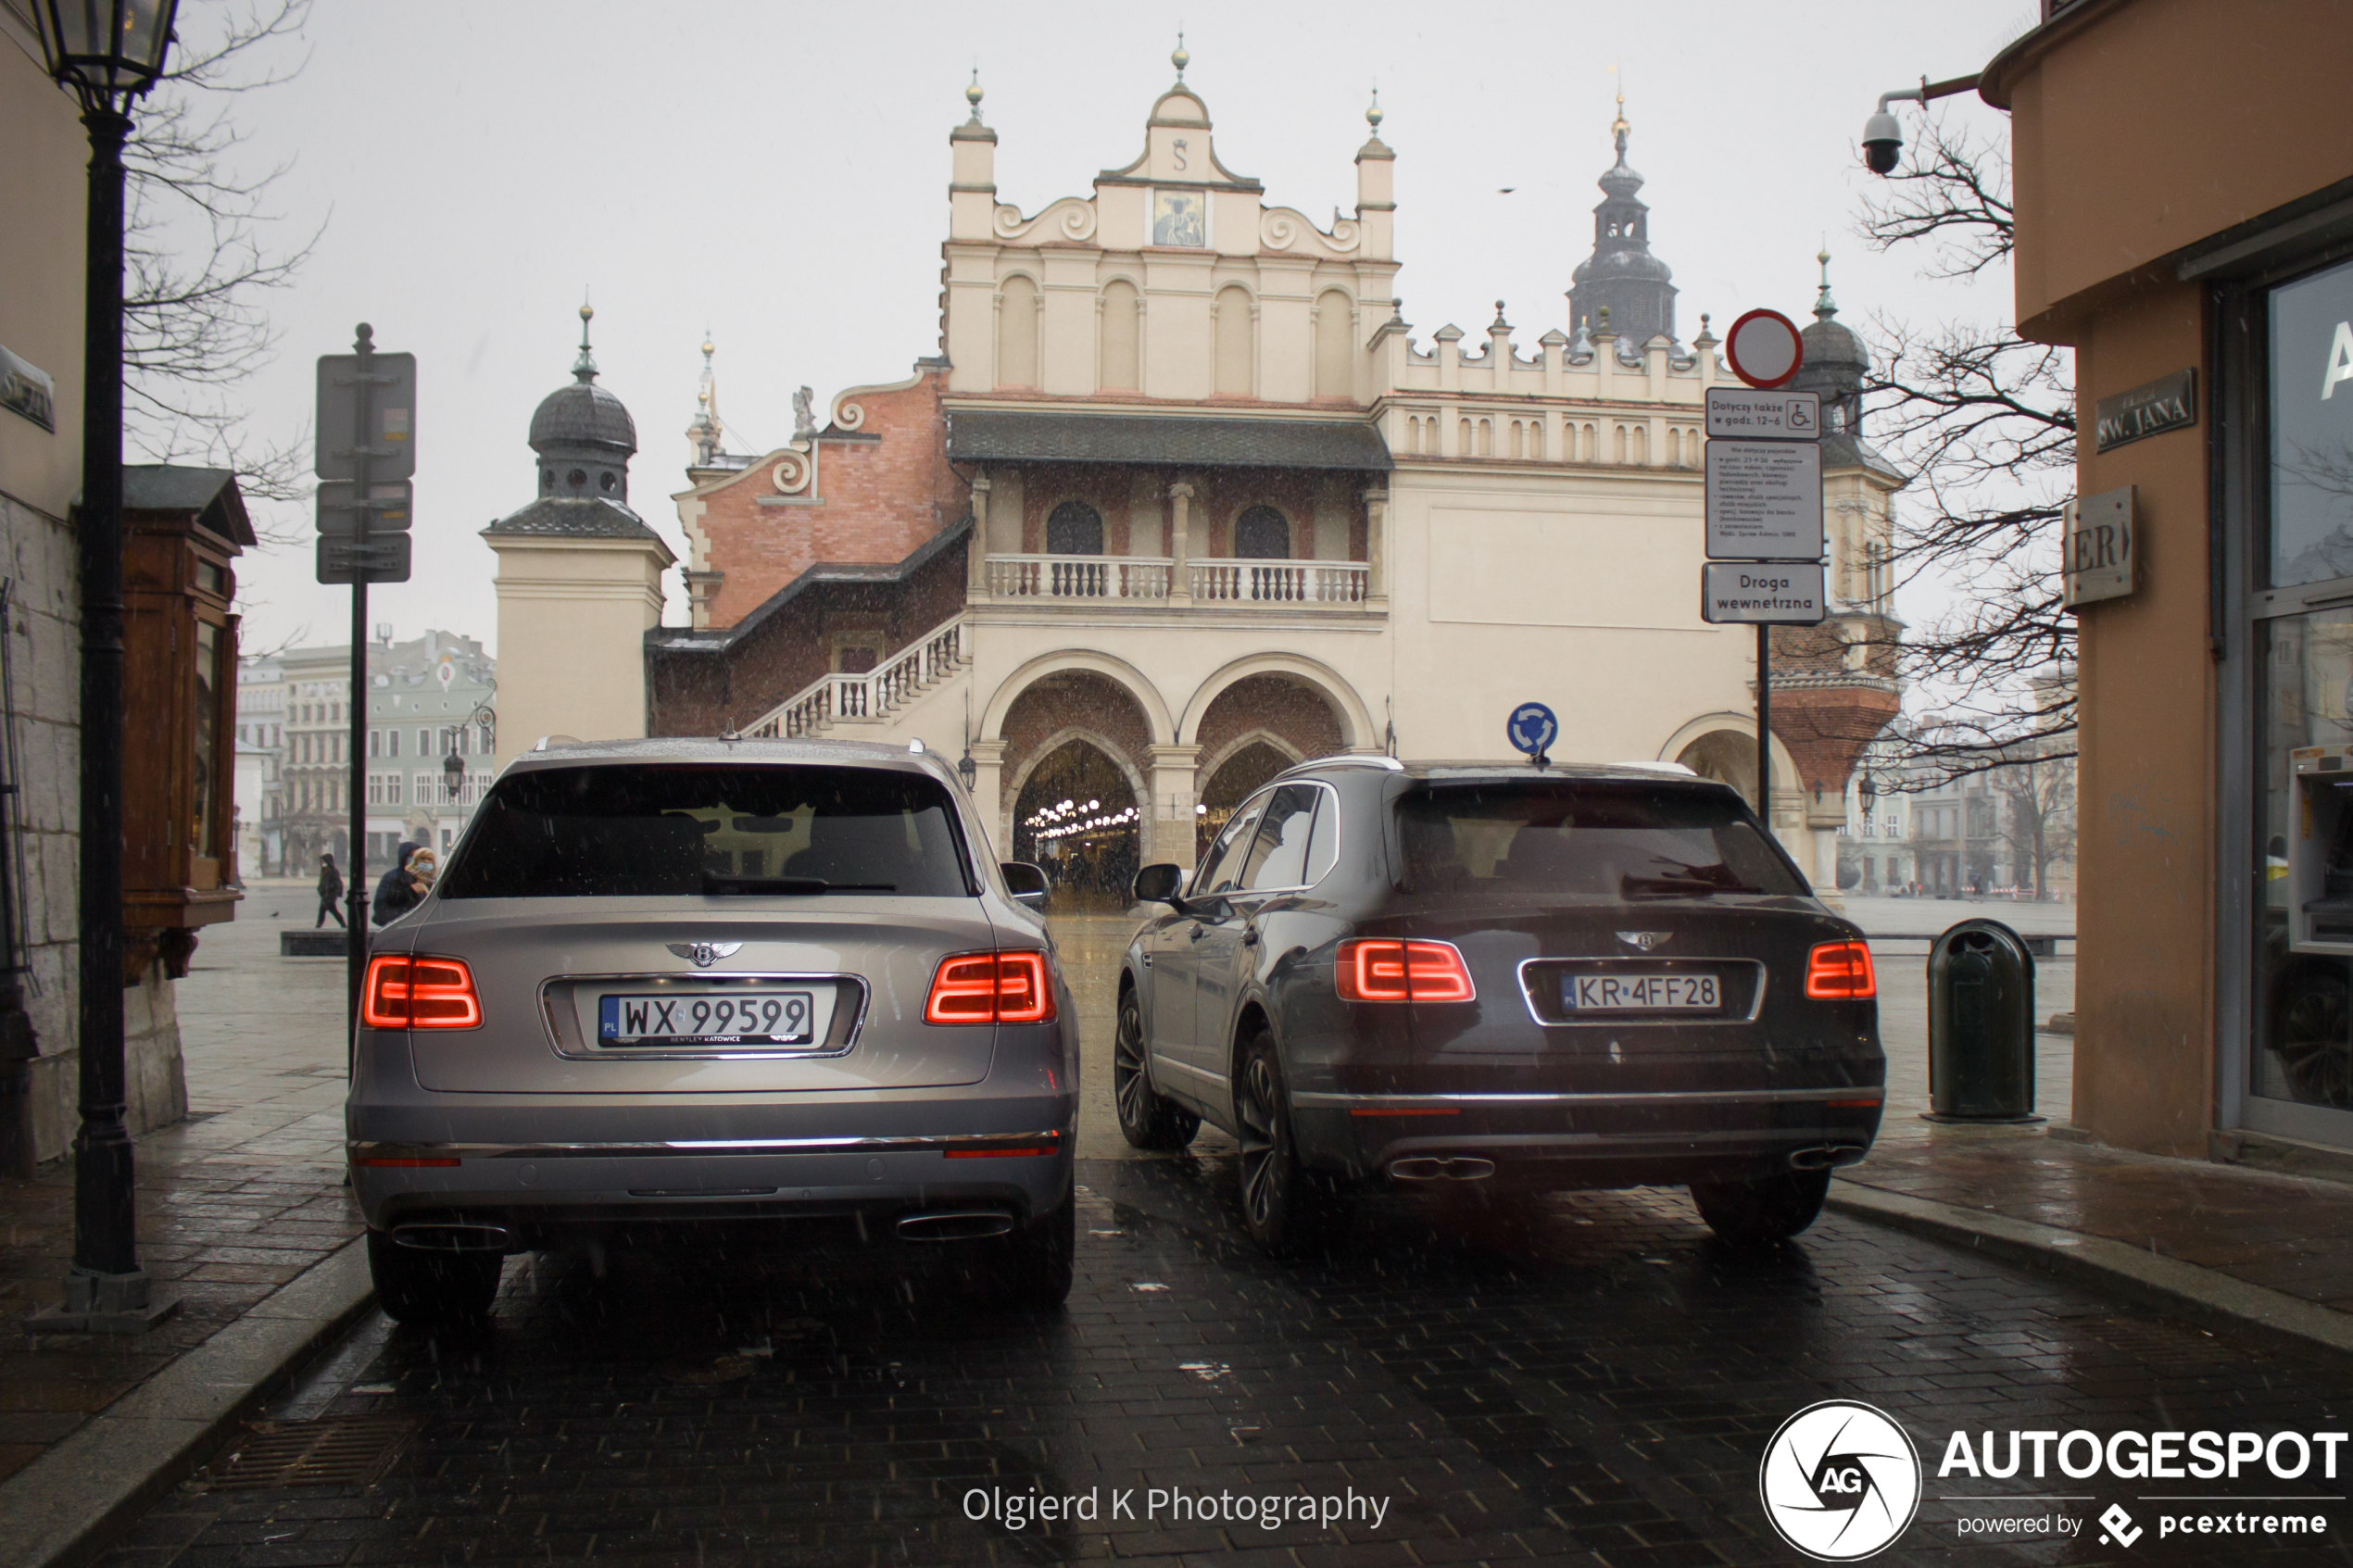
(108, 52)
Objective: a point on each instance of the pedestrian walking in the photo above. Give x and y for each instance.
(330, 893)
(403, 887)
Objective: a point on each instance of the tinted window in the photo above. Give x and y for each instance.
(658, 832)
(1278, 857)
(1610, 841)
(1221, 868)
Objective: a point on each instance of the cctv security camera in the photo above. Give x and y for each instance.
(1883, 141)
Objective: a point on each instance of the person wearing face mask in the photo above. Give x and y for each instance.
(404, 887)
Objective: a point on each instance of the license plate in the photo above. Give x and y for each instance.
(737, 1018)
(1640, 993)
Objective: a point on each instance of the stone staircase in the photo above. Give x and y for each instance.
(872, 697)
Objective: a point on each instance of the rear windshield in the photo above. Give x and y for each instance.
(1607, 840)
(675, 831)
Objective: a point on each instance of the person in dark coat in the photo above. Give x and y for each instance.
(402, 888)
(330, 893)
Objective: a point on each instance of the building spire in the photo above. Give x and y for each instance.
(973, 95)
(1373, 117)
(705, 431)
(1178, 58)
(583, 369)
(1824, 306)
(1617, 127)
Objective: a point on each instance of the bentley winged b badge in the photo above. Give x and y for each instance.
(1645, 940)
(703, 955)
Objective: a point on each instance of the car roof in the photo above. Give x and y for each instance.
(1473, 772)
(556, 751)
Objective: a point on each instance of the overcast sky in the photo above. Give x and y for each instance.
(777, 173)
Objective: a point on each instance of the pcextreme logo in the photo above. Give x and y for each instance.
(1841, 1480)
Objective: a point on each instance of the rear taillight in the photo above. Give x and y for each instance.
(1378, 970)
(991, 988)
(1841, 971)
(415, 993)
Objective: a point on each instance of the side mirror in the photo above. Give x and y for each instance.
(1024, 881)
(1158, 885)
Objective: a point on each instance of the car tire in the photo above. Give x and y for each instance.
(1287, 1208)
(1031, 1268)
(1147, 1119)
(1764, 1211)
(417, 1285)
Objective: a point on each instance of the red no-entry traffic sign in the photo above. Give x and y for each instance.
(1763, 349)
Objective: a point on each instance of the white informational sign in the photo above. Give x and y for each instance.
(1748, 593)
(2100, 558)
(1756, 414)
(1764, 500)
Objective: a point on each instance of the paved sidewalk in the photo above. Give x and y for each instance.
(234, 1203)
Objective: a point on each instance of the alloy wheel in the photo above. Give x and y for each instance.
(1129, 1086)
(1256, 1114)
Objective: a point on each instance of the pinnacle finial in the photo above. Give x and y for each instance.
(1617, 127)
(1373, 117)
(1178, 57)
(583, 369)
(973, 95)
(707, 349)
(1824, 306)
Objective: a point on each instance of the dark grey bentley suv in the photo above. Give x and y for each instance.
(670, 982)
(1540, 977)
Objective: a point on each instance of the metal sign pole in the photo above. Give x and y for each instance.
(356, 961)
(1764, 724)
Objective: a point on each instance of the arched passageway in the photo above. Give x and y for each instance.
(1726, 756)
(1230, 784)
(1078, 815)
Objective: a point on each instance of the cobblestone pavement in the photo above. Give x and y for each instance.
(1591, 1380)
(232, 1202)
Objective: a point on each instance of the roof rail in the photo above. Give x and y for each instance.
(1346, 759)
(545, 741)
(1680, 769)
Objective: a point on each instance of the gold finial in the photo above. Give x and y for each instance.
(1618, 127)
(583, 369)
(1372, 116)
(1178, 57)
(973, 93)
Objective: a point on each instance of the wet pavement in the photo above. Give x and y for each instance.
(1589, 1379)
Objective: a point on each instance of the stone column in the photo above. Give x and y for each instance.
(988, 760)
(1377, 548)
(977, 561)
(1172, 816)
(1181, 523)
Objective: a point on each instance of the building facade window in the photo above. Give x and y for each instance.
(1261, 533)
(1074, 529)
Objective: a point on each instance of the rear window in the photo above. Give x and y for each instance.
(1606, 840)
(676, 831)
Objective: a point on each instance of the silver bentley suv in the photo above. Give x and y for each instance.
(670, 983)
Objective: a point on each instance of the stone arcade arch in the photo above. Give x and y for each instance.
(1079, 811)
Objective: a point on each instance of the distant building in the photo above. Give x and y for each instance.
(429, 699)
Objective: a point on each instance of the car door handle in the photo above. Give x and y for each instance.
(1198, 932)
(1250, 937)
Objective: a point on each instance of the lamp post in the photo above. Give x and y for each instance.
(108, 51)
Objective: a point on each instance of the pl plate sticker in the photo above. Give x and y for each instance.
(1841, 1481)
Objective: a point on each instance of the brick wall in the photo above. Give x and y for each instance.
(880, 491)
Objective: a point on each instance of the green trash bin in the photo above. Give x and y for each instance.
(1981, 1026)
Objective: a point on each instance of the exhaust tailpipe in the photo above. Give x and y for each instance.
(451, 1235)
(1827, 1157)
(955, 1224)
(1429, 1168)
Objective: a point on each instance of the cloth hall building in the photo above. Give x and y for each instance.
(1182, 500)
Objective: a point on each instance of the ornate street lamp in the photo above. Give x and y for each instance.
(108, 51)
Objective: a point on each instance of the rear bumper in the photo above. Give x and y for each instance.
(1590, 1139)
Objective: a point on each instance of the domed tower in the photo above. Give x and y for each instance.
(579, 575)
(1833, 366)
(1622, 274)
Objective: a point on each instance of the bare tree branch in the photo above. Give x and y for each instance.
(1985, 421)
(200, 265)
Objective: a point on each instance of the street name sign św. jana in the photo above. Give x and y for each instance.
(385, 558)
(1741, 593)
(1764, 500)
(1760, 414)
(391, 444)
(339, 507)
